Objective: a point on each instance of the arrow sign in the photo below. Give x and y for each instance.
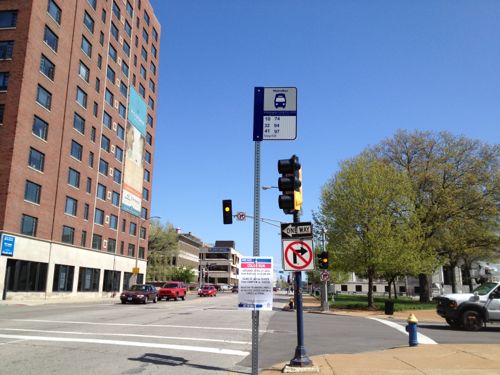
(297, 255)
(300, 251)
(296, 230)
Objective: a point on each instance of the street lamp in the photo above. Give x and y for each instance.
(138, 233)
(269, 187)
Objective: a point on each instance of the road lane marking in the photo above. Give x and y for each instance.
(130, 343)
(127, 335)
(136, 325)
(422, 339)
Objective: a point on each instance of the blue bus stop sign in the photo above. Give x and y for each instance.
(8, 242)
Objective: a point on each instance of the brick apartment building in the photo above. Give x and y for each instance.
(78, 93)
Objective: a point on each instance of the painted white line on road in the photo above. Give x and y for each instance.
(127, 335)
(135, 325)
(131, 343)
(422, 339)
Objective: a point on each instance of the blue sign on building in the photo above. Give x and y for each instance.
(8, 242)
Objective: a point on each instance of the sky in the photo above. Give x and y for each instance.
(363, 70)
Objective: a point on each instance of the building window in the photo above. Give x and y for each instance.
(2, 110)
(110, 73)
(150, 120)
(114, 31)
(99, 216)
(44, 97)
(142, 233)
(144, 213)
(149, 139)
(151, 103)
(4, 81)
(122, 111)
(86, 47)
(155, 34)
(143, 72)
(88, 22)
(97, 89)
(47, 67)
(93, 3)
(124, 225)
(40, 128)
(111, 281)
(88, 185)
(84, 71)
(152, 86)
(109, 97)
(125, 69)
(101, 191)
(120, 132)
(141, 252)
(96, 108)
(126, 49)
(152, 67)
(86, 210)
(76, 150)
(145, 194)
(130, 10)
(146, 18)
(8, 19)
(63, 278)
(115, 198)
(96, 241)
(147, 175)
(128, 29)
(122, 248)
(105, 143)
(142, 91)
(79, 123)
(93, 131)
(107, 120)
(111, 246)
(103, 16)
(154, 51)
(145, 36)
(54, 11)
(91, 159)
(73, 178)
(83, 239)
(29, 225)
(123, 89)
(88, 278)
(133, 229)
(32, 192)
(103, 167)
(144, 54)
(117, 176)
(147, 156)
(36, 159)
(81, 97)
(26, 276)
(112, 53)
(50, 38)
(113, 222)
(68, 235)
(71, 206)
(6, 47)
(118, 154)
(99, 61)
(131, 250)
(116, 10)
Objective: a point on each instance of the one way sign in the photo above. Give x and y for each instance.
(296, 230)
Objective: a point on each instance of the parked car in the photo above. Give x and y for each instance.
(172, 290)
(224, 287)
(208, 291)
(235, 289)
(471, 311)
(139, 293)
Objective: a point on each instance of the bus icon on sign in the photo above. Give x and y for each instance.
(280, 101)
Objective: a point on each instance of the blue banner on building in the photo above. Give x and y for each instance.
(8, 243)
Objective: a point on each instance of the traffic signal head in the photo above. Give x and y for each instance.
(323, 260)
(290, 183)
(227, 211)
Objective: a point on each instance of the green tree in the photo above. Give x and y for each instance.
(162, 248)
(368, 211)
(186, 274)
(455, 181)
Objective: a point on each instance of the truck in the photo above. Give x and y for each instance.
(471, 311)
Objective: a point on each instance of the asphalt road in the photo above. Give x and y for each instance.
(196, 336)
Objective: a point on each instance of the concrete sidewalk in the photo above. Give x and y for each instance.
(456, 359)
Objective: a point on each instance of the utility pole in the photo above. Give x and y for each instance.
(324, 301)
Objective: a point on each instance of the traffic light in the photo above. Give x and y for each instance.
(323, 260)
(290, 183)
(227, 211)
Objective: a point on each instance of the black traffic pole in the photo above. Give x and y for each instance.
(300, 359)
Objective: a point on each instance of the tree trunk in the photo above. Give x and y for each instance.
(370, 290)
(423, 281)
(390, 290)
(395, 289)
(453, 278)
(469, 279)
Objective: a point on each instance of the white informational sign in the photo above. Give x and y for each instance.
(256, 283)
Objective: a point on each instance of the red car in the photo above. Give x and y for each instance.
(172, 290)
(207, 291)
(140, 293)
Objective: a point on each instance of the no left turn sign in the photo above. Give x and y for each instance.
(298, 255)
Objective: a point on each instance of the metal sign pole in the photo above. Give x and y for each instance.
(256, 252)
(300, 359)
